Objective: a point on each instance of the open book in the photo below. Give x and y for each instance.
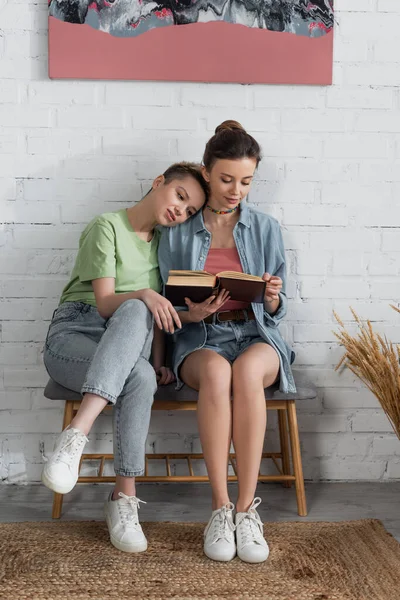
(200, 285)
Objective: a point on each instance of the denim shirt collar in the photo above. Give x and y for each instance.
(244, 219)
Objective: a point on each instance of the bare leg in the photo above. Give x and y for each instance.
(210, 373)
(126, 485)
(254, 370)
(90, 408)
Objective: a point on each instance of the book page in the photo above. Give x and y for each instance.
(188, 273)
(237, 275)
(191, 278)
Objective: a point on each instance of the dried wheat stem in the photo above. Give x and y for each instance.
(376, 361)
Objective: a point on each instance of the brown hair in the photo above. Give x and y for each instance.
(186, 169)
(230, 141)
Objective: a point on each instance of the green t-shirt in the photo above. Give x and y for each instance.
(109, 247)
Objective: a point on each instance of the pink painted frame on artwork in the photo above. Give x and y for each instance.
(206, 52)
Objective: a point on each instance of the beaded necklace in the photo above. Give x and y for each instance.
(222, 212)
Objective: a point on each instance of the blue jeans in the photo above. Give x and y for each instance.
(110, 358)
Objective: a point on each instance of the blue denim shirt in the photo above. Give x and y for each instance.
(260, 246)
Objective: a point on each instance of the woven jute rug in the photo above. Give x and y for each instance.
(354, 560)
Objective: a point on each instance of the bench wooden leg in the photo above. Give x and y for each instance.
(296, 456)
(58, 498)
(57, 506)
(284, 445)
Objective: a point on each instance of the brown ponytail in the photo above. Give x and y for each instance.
(230, 141)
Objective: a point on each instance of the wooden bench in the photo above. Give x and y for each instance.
(169, 399)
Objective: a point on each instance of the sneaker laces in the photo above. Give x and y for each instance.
(222, 526)
(74, 442)
(251, 525)
(128, 510)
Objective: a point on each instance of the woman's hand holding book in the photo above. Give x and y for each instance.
(273, 287)
(200, 310)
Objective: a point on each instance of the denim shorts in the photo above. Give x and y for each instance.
(231, 338)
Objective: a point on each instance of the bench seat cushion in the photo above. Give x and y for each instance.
(54, 391)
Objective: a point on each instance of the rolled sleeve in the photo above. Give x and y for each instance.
(275, 319)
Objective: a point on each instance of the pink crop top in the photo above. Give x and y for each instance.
(225, 259)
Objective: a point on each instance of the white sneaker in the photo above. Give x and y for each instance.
(251, 544)
(123, 523)
(61, 471)
(219, 537)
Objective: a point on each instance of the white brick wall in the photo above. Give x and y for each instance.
(331, 174)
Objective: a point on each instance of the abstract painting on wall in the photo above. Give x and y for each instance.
(243, 41)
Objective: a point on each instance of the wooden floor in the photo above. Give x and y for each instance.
(191, 502)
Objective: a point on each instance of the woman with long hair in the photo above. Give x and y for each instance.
(226, 347)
